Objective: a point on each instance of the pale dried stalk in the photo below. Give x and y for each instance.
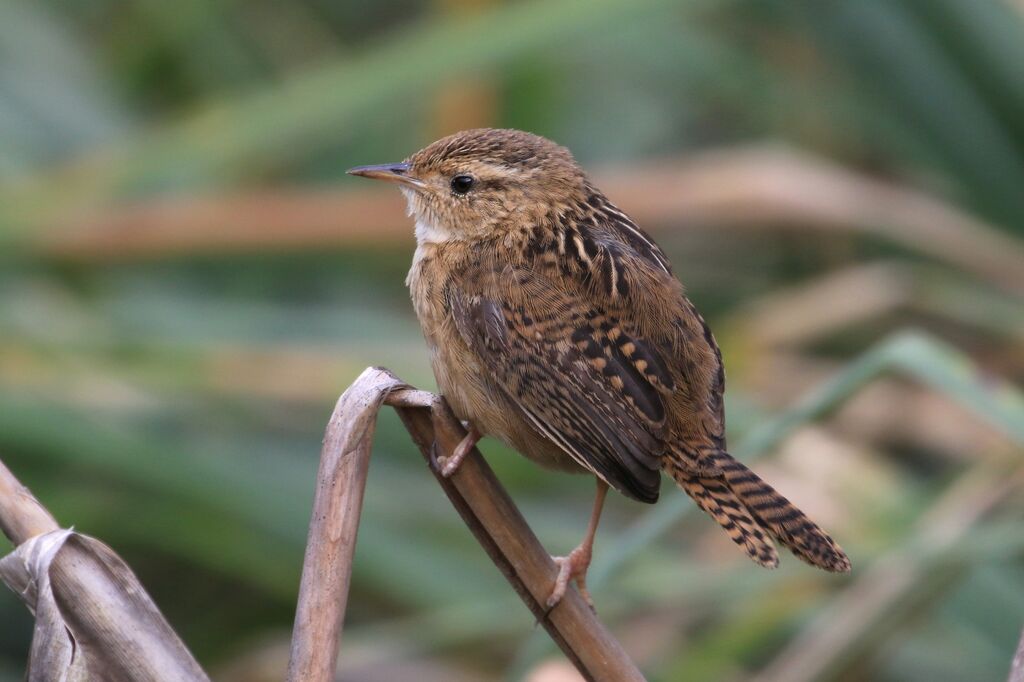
(1017, 666)
(22, 516)
(745, 187)
(856, 614)
(478, 497)
(94, 619)
(337, 504)
(822, 305)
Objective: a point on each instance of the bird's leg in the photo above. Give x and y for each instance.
(574, 566)
(450, 463)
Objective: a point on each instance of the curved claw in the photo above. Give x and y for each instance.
(575, 565)
(450, 464)
(571, 567)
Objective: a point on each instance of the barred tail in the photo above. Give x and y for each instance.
(721, 503)
(782, 519)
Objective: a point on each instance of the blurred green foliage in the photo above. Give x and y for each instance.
(173, 406)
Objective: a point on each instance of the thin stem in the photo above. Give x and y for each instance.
(475, 493)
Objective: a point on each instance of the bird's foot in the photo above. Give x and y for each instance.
(451, 463)
(572, 567)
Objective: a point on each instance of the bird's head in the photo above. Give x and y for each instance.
(476, 183)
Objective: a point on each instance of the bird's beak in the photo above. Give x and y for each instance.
(390, 172)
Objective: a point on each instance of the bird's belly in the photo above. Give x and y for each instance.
(475, 398)
(465, 384)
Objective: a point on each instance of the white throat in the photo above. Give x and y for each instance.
(430, 233)
(427, 231)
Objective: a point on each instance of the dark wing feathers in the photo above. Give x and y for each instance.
(577, 374)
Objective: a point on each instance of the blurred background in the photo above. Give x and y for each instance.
(188, 280)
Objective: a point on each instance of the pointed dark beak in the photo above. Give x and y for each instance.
(390, 172)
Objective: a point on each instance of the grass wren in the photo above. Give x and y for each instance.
(556, 325)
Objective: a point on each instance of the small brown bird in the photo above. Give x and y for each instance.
(556, 325)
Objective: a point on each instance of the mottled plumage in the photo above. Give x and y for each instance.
(556, 325)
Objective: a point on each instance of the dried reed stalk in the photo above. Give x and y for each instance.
(871, 605)
(22, 516)
(474, 492)
(94, 620)
(1017, 666)
(754, 187)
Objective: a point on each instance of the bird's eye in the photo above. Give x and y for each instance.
(462, 183)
